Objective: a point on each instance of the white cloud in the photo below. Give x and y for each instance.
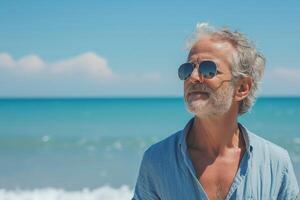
(281, 81)
(286, 74)
(31, 63)
(134, 77)
(86, 74)
(6, 61)
(88, 63)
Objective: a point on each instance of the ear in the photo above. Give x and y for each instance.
(243, 88)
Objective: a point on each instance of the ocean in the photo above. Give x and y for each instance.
(91, 148)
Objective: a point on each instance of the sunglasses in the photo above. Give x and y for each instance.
(207, 69)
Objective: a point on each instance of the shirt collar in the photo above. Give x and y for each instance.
(245, 132)
(185, 131)
(247, 137)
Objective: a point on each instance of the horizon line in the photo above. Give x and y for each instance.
(124, 97)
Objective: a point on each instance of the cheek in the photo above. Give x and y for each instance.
(186, 85)
(185, 89)
(214, 83)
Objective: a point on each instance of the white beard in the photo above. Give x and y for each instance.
(217, 103)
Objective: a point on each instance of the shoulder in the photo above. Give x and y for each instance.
(268, 149)
(156, 161)
(163, 147)
(272, 168)
(259, 143)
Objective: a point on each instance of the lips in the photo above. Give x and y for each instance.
(198, 93)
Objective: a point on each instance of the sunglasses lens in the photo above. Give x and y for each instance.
(208, 69)
(185, 70)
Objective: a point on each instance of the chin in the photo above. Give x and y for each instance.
(204, 109)
(198, 108)
(194, 101)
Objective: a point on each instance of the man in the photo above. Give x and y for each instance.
(215, 157)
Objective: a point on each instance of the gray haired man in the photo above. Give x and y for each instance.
(214, 156)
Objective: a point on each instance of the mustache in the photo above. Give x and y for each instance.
(199, 88)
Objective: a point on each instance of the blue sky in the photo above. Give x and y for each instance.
(133, 48)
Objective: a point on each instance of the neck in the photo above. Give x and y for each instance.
(215, 135)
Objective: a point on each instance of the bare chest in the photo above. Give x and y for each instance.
(216, 176)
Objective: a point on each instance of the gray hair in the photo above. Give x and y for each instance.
(247, 61)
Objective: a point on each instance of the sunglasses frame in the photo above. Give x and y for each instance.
(199, 70)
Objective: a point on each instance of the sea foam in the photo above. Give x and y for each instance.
(101, 193)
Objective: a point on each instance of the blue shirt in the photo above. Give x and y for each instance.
(167, 172)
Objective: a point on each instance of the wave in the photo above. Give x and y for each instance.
(103, 193)
(101, 143)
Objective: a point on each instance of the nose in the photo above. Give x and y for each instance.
(196, 76)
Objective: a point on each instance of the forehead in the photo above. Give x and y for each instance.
(210, 48)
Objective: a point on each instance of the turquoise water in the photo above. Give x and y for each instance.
(77, 143)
